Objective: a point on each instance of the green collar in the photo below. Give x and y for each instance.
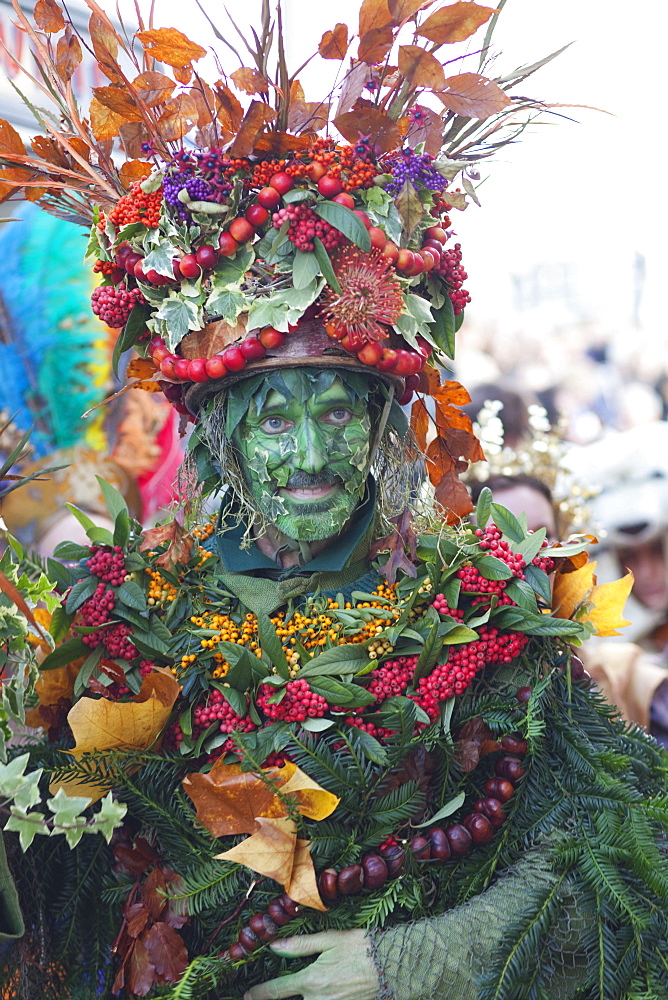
(334, 558)
(244, 571)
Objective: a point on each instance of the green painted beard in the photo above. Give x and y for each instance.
(305, 460)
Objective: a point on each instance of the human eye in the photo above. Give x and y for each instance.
(339, 416)
(275, 425)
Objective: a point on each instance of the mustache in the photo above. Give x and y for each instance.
(300, 480)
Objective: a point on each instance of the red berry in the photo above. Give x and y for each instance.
(155, 278)
(138, 270)
(227, 245)
(189, 266)
(391, 250)
(269, 197)
(215, 367)
(167, 365)
(388, 361)
(234, 359)
(436, 233)
(405, 398)
(377, 237)
(417, 267)
(181, 368)
(270, 338)
(197, 370)
(328, 186)
(363, 217)
(257, 215)
(433, 245)
(176, 269)
(316, 170)
(371, 353)
(159, 351)
(344, 199)
(430, 258)
(252, 349)
(282, 182)
(131, 259)
(240, 229)
(206, 256)
(351, 343)
(405, 260)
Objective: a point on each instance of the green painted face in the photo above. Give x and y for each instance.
(305, 461)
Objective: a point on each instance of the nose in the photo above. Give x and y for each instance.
(311, 447)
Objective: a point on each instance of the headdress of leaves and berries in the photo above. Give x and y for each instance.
(223, 213)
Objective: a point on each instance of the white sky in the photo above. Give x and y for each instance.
(589, 192)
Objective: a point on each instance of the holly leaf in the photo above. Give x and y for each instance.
(334, 44)
(454, 23)
(170, 46)
(473, 96)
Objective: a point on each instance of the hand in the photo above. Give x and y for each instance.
(344, 971)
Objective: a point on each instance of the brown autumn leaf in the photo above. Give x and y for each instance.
(68, 54)
(420, 68)
(183, 74)
(403, 537)
(133, 170)
(281, 143)
(137, 917)
(153, 88)
(373, 14)
(118, 100)
(170, 46)
(104, 122)
(166, 951)
(10, 140)
(178, 118)
(403, 10)
(229, 110)
(48, 150)
(455, 23)
(98, 724)
(428, 131)
(334, 43)
(369, 121)
(249, 80)
(213, 338)
(303, 887)
(205, 102)
(257, 116)
(180, 543)
(141, 368)
(352, 87)
(229, 801)
(141, 971)
(456, 199)
(473, 96)
(132, 135)
(474, 740)
(430, 379)
(420, 422)
(105, 47)
(270, 851)
(375, 45)
(305, 115)
(52, 685)
(48, 16)
(453, 497)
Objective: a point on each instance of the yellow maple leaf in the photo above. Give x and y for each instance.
(605, 601)
(100, 724)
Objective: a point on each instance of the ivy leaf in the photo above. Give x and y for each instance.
(160, 259)
(180, 315)
(66, 808)
(12, 775)
(226, 303)
(27, 825)
(27, 794)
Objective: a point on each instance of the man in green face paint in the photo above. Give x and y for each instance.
(306, 463)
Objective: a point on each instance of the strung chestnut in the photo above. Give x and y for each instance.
(236, 952)
(420, 847)
(289, 905)
(509, 767)
(479, 828)
(439, 844)
(459, 839)
(492, 809)
(278, 913)
(375, 871)
(248, 940)
(327, 884)
(394, 857)
(514, 744)
(350, 880)
(262, 925)
(499, 788)
(523, 694)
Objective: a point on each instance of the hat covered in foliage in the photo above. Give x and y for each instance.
(223, 215)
